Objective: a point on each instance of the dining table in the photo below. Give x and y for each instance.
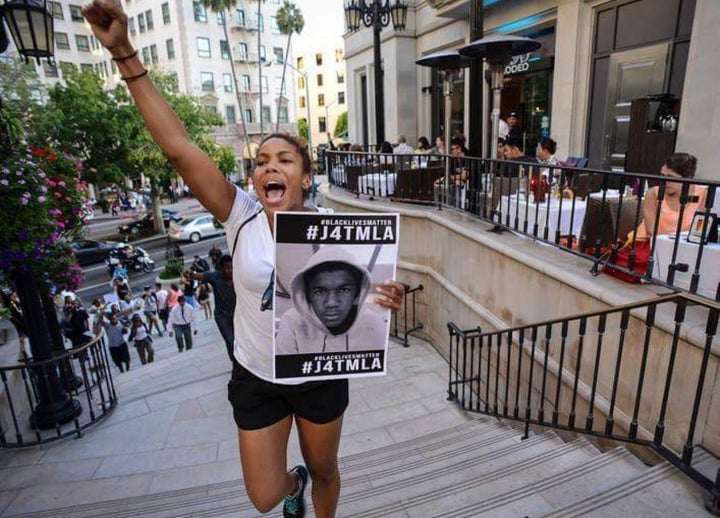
(564, 214)
(687, 253)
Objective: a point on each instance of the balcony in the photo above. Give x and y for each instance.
(246, 57)
(249, 25)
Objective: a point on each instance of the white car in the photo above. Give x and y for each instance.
(195, 228)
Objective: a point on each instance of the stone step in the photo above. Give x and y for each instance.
(215, 499)
(447, 492)
(538, 490)
(386, 488)
(661, 491)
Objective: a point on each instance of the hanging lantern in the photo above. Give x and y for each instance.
(31, 26)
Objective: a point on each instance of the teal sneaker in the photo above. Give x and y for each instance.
(294, 506)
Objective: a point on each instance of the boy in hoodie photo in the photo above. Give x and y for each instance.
(329, 313)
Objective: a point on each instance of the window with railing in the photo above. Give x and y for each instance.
(224, 49)
(240, 17)
(245, 83)
(242, 51)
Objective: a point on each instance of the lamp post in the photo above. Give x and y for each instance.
(376, 14)
(327, 117)
(307, 104)
(31, 26)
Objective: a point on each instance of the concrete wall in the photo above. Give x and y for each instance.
(699, 128)
(476, 278)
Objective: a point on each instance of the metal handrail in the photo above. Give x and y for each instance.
(93, 393)
(594, 229)
(410, 322)
(545, 373)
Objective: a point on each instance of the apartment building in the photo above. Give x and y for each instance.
(183, 38)
(597, 56)
(320, 89)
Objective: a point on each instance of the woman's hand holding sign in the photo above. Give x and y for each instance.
(390, 294)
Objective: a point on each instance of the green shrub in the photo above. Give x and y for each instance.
(173, 269)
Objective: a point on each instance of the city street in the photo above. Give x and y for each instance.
(97, 280)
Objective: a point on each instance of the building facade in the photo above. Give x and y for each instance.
(183, 38)
(599, 61)
(320, 90)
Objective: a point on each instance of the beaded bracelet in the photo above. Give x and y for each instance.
(133, 78)
(125, 58)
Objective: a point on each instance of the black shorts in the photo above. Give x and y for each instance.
(258, 403)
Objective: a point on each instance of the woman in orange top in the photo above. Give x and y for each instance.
(677, 165)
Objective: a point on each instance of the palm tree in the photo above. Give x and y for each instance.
(224, 6)
(289, 20)
(260, 62)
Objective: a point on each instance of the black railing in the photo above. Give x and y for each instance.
(609, 374)
(402, 330)
(93, 392)
(587, 212)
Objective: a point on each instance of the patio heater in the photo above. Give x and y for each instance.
(449, 62)
(497, 51)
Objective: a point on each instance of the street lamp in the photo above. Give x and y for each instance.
(307, 104)
(31, 26)
(376, 14)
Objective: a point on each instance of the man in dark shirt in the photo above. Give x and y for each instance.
(77, 319)
(222, 284)
(199, 265)
(515, 152)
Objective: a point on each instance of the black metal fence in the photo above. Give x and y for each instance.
(587, 212)
(610, 374)
(405, 322)
(86, 378)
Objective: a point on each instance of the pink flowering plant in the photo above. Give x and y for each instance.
(43, 208)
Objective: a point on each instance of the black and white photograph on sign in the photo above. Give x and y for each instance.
(327, 324)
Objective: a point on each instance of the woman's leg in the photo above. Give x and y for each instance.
(263, 456)
(319, 444)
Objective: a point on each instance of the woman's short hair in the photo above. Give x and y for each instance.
(548, 145)
(683, 164)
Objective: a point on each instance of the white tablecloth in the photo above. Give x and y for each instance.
(377, 184)
(687, 253)
(545, 215)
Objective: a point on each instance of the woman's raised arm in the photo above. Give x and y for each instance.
(109, 23)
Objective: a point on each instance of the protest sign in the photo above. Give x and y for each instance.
(327, 266)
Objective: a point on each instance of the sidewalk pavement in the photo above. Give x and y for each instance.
(173, 427)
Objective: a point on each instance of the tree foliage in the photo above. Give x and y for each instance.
(289, 20)
(341, 125)
(303, 129)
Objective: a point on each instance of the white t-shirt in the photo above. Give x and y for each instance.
(253, 262)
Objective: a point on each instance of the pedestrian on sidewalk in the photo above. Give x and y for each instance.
(222, 285)
(150, 309)
(264, 411)
(161, 294)
(143, 341)
(203, 297)
(182, 320)
(188, 290)
(117, 345)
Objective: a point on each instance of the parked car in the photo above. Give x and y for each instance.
(89, 251)
(195, 228)
(137, 227)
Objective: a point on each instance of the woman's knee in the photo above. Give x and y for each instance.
(324, 472)
(263, 500)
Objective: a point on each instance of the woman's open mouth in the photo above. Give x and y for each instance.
(274, 192)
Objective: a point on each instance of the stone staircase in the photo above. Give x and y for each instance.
(480, 468)
(406, 452)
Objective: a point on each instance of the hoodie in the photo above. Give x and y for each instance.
(301, 330)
